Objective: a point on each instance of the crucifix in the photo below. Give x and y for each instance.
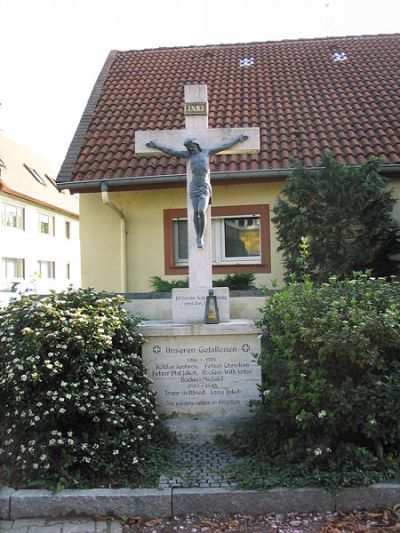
(197, 143)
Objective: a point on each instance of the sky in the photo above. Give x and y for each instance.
(51, 51)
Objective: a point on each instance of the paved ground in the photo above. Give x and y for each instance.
(201, 466)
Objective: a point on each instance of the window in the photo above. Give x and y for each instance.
(68, 271)
(240, 238)
(235, 240)
(67, 229)
(51, 180)
(47, 269)
(35, 174)
(13, 268)
(13, 216)
(46, 224)
(2, 165)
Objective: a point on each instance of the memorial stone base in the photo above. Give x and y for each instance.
(204, 374)
(189, 305)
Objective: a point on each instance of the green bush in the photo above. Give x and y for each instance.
(346, 215)
(239, 281)
(76, 403)
(161, 285)
(331, 383)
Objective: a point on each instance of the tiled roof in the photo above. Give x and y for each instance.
(306, 96)
(28, 177)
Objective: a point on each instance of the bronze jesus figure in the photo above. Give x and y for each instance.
(200, 186)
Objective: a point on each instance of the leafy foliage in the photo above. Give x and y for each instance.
(161, 285)
(346, 215)
(237, 281)
(240, 281)
(331, 385)
(76, 403)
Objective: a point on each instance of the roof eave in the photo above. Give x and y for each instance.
(267, 174)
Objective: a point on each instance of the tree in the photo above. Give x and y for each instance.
(345, 215)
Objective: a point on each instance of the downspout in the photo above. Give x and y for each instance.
(106, 201)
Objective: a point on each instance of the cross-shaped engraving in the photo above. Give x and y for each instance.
(197, 143)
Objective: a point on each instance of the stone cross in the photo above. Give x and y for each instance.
(229, 140)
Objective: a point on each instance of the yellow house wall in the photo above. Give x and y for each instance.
(100, 233)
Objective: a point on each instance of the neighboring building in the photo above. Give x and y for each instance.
(306, 96)
(39, 225)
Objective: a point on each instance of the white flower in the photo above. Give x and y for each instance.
(317, 451)
(115, 452)
(35, 466)
(321, 414)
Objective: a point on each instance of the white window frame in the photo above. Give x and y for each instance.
(46, 269)
(18, 268)
(218, 242)
(51, 224)
(19, 217)
(68, 271)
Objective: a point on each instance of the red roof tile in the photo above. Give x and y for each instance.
(304, 102)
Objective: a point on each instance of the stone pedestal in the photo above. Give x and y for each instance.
(189, 305)
(203, 372)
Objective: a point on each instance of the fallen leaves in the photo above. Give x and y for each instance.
(385, 520)
(378, 521)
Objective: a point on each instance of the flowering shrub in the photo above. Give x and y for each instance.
(331, 381)
(76, 403)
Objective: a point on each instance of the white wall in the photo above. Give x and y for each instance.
(32, 246)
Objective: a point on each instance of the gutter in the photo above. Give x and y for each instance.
(106, 201)
(269, 174)
(4, 188)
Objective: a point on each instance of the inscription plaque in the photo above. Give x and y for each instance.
(202, 376)
(196, 108)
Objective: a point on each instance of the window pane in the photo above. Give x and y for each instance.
(13, 268)
(242, 237)
(47, 269)
(180, 240)
(46, 224)
(13, 216)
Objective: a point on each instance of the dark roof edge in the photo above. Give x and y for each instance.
(78, 139)
(281, 173)
(254, 43)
